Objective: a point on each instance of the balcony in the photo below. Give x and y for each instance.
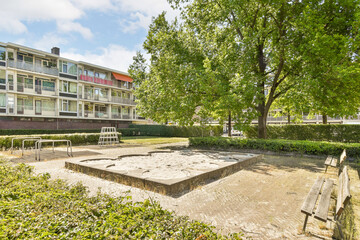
(33, 67)
(122, 100)
(100, 114)
(95, 80)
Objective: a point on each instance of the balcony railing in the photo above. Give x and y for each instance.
(126, 116)
(33, 67)
(96, 80)
(99, 114)
(122, 100)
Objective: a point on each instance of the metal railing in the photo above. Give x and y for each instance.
(122, 100)
(33, 67)
(99, 114)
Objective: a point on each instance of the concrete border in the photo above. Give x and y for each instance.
(174, 188)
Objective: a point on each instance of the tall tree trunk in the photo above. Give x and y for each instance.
(288, 118)
(262, 121)
(229, 129)
(324, 118)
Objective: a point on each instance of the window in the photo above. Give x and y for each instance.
(48, 105)
(65, 86)
(29, 83)
(102, 75)
(89, 91)
(28, 59)
(29, 104)
(103, 92)
(2, 53)
(10, 55)
(11, 81)
(68, 87)
(68, 67)
(69, 106)
(72, 87)
(2, 100)
(2, 77)
(48, 85)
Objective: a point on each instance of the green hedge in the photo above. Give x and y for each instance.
(45, 131)
(76, 139)
(133, 130)
(35, 207)
(177, 131)
(313, 132)
(278, 145)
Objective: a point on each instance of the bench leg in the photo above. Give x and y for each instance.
(340, 231)
(326, 168)
(305, 222)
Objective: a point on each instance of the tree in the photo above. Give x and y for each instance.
(330, 71)
(238, 56)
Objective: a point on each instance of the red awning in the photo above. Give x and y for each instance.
(122, 77)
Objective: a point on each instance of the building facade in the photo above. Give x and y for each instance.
(41, 90)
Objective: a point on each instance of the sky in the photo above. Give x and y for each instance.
(102, 32)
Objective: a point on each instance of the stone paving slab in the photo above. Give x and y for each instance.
(262, 200)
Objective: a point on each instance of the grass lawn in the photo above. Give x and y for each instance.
(148, 140)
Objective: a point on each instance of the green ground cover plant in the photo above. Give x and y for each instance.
(313, 132)
(278, 145)
(35, 207)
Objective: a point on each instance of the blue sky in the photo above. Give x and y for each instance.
(103, 32)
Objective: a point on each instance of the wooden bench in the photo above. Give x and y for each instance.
(332, 161)
(323, 188)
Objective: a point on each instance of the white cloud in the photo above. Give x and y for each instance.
(49, 40)
(137, 21)
(142, 12)
(101, 5)
(68, 26)
(14, 13)
(114, 56)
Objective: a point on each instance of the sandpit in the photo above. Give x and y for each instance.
(167, 172)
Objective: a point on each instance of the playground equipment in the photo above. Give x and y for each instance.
(108, 136)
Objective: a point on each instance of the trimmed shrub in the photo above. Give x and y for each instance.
(278, 145)
(76, 139)
(313, 132)
(178, 131)
(35, 207)
(45, 131)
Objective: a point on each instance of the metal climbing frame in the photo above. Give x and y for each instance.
(39, 143)
(108, 135)
(22, 146)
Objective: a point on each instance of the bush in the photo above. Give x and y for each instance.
(76, 139)
(313, 132)
(178, 131)
(278, 145)
(34, 207)
(45, 131)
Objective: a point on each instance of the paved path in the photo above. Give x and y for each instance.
(263, 200)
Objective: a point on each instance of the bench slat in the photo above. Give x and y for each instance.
(344, 191)
(339, 201)
(343, 157)
(322, 209)
(328, 160)
(333, 162)
(311, 198)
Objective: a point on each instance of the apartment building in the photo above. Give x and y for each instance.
(42, 90)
